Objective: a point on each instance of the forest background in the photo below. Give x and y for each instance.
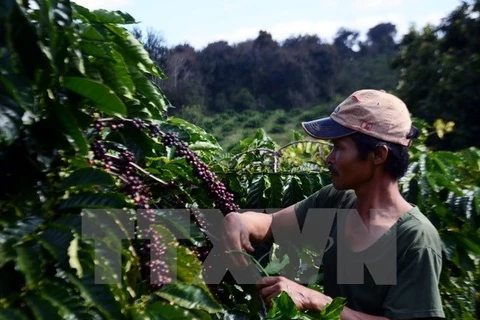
(233, 89)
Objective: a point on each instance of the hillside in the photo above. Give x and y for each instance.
(230, 127)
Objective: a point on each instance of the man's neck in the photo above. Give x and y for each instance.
(383, 197)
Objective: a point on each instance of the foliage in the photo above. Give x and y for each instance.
(439, 75)
(71, 80)
(284, 308)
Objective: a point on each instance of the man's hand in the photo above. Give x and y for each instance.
(303, 297)
(236, 237)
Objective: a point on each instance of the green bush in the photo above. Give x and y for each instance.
(283, 119)
(278, 128)
(254, 123)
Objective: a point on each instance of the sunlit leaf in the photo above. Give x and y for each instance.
(92, 200)
(87, 177)
(189, 296)
(102, 96)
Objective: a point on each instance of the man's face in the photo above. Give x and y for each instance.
(348, 170)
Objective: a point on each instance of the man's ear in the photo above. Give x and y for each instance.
(380, 154)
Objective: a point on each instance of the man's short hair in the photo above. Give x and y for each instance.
(398, 157)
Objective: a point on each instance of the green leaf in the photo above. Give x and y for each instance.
(9, 314)
(332, 310)
(204, 146)
(138, 142)
(283, 308)
(97, 49)
(71, 127)
(194, 132)
(305, 185)
(189, 268)
(189, 296)
(275, 195)
(114, 17)
(60, 295)
(179, 226)
(257, 192)
(293, 191)
(22, 227)
(13, 234)
(264, 141)
(10, 120)
(17, 88)
(7, 251)
(92, 200)
(150, 95)
(62, 13)
(468, 244)
(98, 295)
(89, 32)
(103, 97)
(133, 51)
(176, 169)
(161, 310)
(275, 266)
(42, 308)
(56, 240)
(85, 177)
(102, 16)
(234, 184)
(115, 74)
(29, 262)
(32, 58)
(439, 181)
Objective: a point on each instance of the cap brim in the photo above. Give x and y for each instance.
(326, 129)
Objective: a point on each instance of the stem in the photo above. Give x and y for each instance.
(303, 141)
(262, 270)
(133, 164)
(276, 153)
(124, 120)
(136, 166)
(110, 119)
(253, 150)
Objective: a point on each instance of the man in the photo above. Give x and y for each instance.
(371, 132)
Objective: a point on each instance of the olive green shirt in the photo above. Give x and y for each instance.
(418, 262)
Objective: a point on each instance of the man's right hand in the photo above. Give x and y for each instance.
(236, 237)
(241, 230)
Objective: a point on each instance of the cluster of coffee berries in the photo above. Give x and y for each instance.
(123, 166)
(99, 151)
(133, 186)
(159, 270)
(223, 199)
(112, 124)
(140, 124)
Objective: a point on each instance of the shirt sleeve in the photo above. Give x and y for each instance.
(327, 197)
(302, 207)
(416, 294)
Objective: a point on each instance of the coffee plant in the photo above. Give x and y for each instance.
(96, 177)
